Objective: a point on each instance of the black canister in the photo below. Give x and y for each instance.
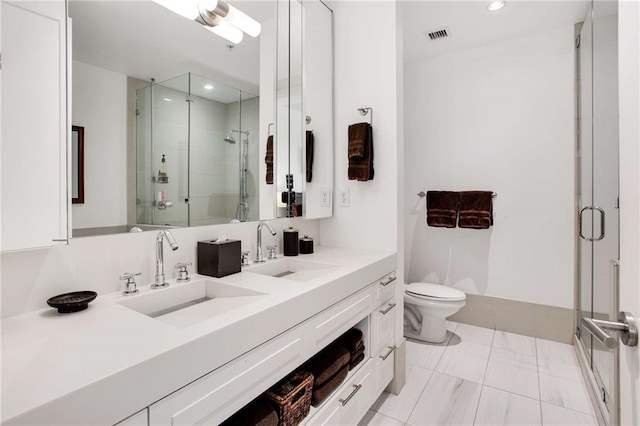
(306, 245)
(290, 242)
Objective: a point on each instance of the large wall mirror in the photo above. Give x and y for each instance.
(177, 118)
(172, 114)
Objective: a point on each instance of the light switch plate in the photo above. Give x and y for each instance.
(325, 197)
(343, 199)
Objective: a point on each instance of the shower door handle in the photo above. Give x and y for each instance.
(602, 220)
(626, 325)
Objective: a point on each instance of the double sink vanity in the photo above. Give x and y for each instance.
(198, 351)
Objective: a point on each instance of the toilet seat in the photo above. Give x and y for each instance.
(435, 292)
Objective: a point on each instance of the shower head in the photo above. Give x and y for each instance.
(229, 139)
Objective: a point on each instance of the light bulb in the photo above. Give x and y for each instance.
(243, 22)
(208, 86)
(495, 5)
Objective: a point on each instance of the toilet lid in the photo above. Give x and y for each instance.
(435, 291)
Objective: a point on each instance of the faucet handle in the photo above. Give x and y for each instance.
(183, 272)
(272, 251)
(244, 258)
(130, 283)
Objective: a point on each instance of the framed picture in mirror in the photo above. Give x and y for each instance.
(77, 165)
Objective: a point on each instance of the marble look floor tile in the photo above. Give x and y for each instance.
(553, 415)
(513, 372)
(472, 334)
(399, 406)
(565, 393)
(466, 360)
(498, 407)
(557, 359)
(514, 343)
(376, 419)
(446, 401)
(424, 355)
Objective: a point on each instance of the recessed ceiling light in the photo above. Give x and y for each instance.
(168, 100)
(495, 5)
(208, 86)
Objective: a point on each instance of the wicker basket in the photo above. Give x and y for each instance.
(291, 397)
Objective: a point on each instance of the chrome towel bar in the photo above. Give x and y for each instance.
(423, 194)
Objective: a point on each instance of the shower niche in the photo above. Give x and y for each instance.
(197, 151)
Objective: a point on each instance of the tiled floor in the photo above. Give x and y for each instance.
(486, 377)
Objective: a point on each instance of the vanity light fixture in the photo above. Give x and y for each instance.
(217, 16)
(208, 86)
(495, 5)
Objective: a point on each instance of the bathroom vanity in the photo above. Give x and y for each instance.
(143, 360)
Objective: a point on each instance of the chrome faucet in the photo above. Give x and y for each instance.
(160, 282)
(259, 256)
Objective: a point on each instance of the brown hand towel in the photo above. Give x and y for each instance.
(257, 413)
(476, 210)
(351, 339)
(326, 363)
(358, 349)
(356, 361)
(361, 168)
(319, 394)
(442, 208)
(357, 140)
(309, 154)
(268, 159)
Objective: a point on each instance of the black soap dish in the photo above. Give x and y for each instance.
(72, 302)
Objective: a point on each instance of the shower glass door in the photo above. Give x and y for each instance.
(599, 171)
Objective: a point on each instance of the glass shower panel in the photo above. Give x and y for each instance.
(585, 158)
(163, 186)
(605, 176)
(216, 141)
(249, 158)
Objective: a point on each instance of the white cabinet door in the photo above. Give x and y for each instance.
(34, 124)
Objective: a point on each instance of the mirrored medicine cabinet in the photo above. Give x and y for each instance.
(147, 85)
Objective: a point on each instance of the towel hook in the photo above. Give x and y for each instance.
(269, 129)
(366, 110)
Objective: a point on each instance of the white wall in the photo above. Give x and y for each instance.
(100, 106)
(498, 117)
(29, 278)
(365, 75)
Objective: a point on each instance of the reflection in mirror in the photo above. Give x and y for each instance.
(304, 110)
(118, 48)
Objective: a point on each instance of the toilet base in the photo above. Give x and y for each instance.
(433, 330)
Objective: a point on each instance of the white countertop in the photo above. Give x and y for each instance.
(103, 364)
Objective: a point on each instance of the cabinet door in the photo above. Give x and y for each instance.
(34, 124)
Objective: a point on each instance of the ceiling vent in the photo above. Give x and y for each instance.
(438, 34)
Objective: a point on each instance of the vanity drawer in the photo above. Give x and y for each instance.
(385, 365)
(331, 323)
(382, 320)
(141, 418)
(350, 403)
(214, 397)
(385, 288)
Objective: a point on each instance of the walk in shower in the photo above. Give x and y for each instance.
(598, 202)
(196, 145)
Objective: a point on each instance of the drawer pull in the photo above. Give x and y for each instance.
(355, 390)
(385, 356)
(386, 311)
(389, 281)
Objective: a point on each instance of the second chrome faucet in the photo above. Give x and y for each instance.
(259, 255)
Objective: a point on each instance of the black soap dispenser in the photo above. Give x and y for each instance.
(290, 242)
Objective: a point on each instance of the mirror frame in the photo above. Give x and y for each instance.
(77, 148)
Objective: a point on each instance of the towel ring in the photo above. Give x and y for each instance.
(366, 110)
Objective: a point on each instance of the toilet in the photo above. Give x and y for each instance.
(427, 307)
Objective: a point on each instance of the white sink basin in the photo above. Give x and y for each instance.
(190, 303)
(292, 269)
